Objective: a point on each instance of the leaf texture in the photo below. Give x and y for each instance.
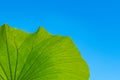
(39, 56)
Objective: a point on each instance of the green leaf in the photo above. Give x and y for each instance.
(39, 56)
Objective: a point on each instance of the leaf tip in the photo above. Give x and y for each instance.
(41, 29)
(5, 26)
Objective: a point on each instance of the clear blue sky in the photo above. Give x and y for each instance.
(94, 26)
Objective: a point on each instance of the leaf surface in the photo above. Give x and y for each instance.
(39, 56)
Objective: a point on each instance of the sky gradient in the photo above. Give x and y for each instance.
(93, 25)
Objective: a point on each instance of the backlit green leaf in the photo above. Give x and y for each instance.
(39, 56)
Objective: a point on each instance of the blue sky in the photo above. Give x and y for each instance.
(93, 25)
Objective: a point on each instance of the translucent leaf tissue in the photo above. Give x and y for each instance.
(39, 56)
